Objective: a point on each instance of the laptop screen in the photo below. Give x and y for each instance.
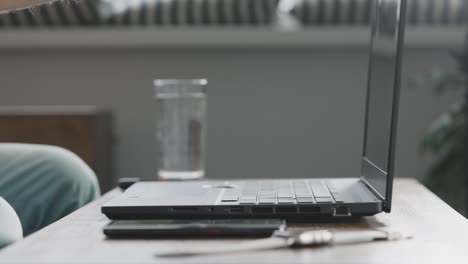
(382, 95)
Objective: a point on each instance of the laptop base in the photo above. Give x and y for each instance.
(206, 200)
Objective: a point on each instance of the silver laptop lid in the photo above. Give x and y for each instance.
(382, 96)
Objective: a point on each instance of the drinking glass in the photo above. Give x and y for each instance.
(181, 128)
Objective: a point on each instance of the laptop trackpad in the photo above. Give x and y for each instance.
(171, 193)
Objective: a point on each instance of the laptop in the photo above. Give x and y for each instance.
(294, 198)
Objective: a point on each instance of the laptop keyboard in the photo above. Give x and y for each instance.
(283, 192)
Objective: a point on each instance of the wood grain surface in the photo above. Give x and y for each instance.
(84, 130)
(440, 236)
(75, 132)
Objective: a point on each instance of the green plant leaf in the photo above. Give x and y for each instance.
(447, 178)
(438, 80)
(445, 132)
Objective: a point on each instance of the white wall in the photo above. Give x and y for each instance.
(272, 112)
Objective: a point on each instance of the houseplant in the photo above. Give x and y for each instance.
(447, 137)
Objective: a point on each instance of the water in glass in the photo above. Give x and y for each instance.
(181, 125)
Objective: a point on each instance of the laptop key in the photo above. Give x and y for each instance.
(302, 190)
(303, 194)
(285, 195)
(304, 200)
(286, 200)
(247, 201)
(266, 200)
(319, 189)
(323, 199)
(267, 193)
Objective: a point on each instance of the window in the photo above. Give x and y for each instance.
(204, 13)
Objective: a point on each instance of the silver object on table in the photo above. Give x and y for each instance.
(285, 239)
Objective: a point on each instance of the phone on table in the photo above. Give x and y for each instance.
(164, 228)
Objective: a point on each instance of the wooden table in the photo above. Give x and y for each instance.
(441, 235)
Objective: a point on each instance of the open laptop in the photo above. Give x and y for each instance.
(366, 194)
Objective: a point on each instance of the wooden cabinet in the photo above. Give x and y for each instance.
(86, 131)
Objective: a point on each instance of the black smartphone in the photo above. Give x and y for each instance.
(193, 228)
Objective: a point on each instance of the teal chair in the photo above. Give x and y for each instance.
(42, 184)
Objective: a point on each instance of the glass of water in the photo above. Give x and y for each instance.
(181, 128)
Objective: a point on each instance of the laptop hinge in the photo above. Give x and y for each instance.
(373, 190)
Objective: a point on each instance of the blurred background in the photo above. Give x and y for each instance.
(287, 82)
